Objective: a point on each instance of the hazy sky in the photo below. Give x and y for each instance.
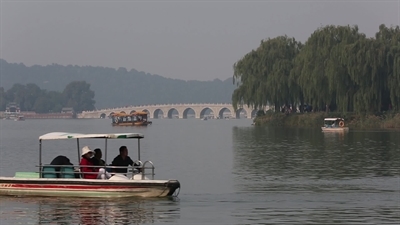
(190, 40)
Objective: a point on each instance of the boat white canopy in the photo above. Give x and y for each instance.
(65, 135)
(78, 136)
(333, 119)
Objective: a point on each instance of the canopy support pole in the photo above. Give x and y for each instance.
(138, 148)
(79, 155)
(40, 158)
(105, 153)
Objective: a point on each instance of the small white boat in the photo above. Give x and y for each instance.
(44, 182)
(19, 118)
(334, 125)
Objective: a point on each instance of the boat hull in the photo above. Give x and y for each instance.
(334, 129)
(132, 123)
(87, 188)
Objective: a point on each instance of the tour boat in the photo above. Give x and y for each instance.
(133, 119)
(44, 182)
(333, 125)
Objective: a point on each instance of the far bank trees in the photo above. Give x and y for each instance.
(338, 67)
(30, 97)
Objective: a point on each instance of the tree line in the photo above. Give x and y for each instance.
(30, 97)
(337, 68)
(118, 87)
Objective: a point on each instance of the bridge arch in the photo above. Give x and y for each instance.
(132, 111)
(111, 114)
(238, 112)
(185, 112)
(221, 112)
(122, 112)
(103, 115)
(148, 113)
(170, 112)
(156, 113)
(253, 113)
(203, 111)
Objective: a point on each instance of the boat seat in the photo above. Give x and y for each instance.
(67, 172)
(49, 172)
(26, 175)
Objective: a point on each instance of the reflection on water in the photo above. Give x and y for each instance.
(87, 211)
(314, 155)
(230, 175)
(303, 176)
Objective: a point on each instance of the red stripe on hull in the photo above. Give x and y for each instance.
(63, 186)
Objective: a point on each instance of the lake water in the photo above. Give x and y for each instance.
(230, 173)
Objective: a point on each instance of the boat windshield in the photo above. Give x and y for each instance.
(332, 122)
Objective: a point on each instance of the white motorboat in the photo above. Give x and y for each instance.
(44, 181)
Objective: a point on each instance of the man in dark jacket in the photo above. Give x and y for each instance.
(122, 160)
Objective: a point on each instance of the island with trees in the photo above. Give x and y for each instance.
(338, 71)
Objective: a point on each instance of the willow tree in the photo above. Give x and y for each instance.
(245, 76)
(390, 37)
(371, 64)
(365, 62)
(337, 66)
(263, 74)
(319, 70)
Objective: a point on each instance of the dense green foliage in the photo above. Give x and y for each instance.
(118, 87)
(30, 97)
(338, 67)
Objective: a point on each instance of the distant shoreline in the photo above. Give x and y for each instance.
(33, 115)
(310, 120)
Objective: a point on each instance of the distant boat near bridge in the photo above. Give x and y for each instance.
(132, 119)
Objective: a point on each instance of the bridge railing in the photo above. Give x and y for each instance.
(158, 105)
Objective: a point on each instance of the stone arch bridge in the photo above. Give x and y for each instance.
(169, 110)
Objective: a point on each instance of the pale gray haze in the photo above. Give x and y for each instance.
(190, 40)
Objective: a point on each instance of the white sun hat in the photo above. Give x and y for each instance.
(86, 150)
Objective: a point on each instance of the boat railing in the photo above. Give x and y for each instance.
(72, 171)
(150, 167)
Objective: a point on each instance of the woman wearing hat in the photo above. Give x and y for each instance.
(91, 172)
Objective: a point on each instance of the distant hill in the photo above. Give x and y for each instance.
(118, 87)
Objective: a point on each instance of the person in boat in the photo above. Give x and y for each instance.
(60, 161)
(122, 160)
(89, 172)
(97, 161)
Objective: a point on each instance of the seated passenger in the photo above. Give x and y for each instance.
(122, 160)
(97, 161)
(61, 161)
(91, 172)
